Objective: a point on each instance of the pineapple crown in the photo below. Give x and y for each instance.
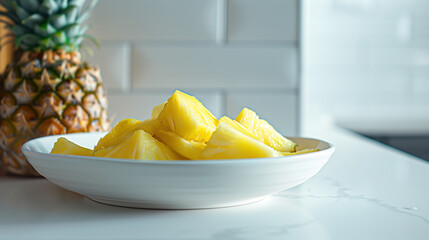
(41, 25)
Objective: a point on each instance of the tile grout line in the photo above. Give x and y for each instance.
(298, 93)
(221, 22)
(224, 102)
(127, 86)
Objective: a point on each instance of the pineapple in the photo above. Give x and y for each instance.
(185, 124)
(157, 110)
(123, 129)
(139, 145)
(64, 146)
(264, 132)
(47, 89)
(187, 148)
(231, 140)
(187, 117)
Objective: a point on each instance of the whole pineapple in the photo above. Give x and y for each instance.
(47, 89)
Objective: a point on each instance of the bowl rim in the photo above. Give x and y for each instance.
(26, 150)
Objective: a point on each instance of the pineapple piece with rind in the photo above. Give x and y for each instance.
(65, 146)
(231, 140)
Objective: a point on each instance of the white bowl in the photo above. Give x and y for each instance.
(173, 184)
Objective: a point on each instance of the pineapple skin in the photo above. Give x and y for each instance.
(47, 93)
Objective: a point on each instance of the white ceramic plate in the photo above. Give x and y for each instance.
(173, 184)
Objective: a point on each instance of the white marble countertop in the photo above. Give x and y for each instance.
(366, 191)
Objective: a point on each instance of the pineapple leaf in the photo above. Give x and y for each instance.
(48, 7)
(72, 30)
(18, 41)
(67, 47)
(84, 29)
(7, 4)
(92, 39)
(24, 46)
(88, 49)
(45, 29)
(60, 38)
(78, 40)
(78, 3)
(46, 43)
(58, 20)
(29, 5)
(87, 12)
(19, 11)
(71, 13)
(62, 3)
(20, 29)
(33, 20)
(29, 39)
(10, 16)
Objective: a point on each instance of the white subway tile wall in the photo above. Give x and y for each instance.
(363, 57)
(421, 80)
(269, 20)
(156, 20)
(213, 67)
(115, 64)
(228, 53)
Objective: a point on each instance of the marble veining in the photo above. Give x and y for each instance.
(343, 192)
(245, 232)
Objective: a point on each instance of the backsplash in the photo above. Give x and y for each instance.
(228, 53)
(367, 61)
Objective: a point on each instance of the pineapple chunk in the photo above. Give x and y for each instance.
(139, 145)
(64, 146)
(123, 129)
(264, 132)
(157, 109)
(231, 140)
(150, 126)
(185, 116)
(187, 148)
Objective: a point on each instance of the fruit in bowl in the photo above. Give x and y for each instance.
(183, 129)
(173, 160)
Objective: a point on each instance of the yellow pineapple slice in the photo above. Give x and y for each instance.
(64, 146)
(185, 116)
(187, 148)
(264, 132)
(125, 128)
(232, 140)
(149, 125)
(157, 109)
(139, 145)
